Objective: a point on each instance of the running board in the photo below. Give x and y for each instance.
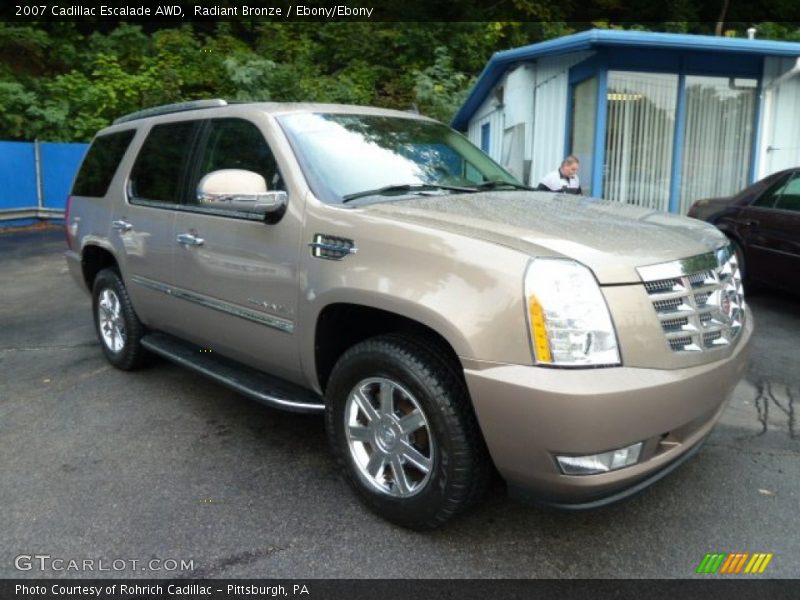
(249, 382)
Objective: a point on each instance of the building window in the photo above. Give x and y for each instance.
(639, 138)
(485, 137)
(582, 128)
(718, 137)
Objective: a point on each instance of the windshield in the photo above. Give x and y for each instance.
(346, 156)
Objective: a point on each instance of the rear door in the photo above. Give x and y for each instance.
(142, 227)
(238, 275)
(98, 188)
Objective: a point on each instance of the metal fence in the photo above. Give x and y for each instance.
(35, 178)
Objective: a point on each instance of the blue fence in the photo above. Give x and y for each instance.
(35, 178)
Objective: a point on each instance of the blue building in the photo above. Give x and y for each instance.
(656, 119)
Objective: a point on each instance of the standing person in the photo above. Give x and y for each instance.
(563, 179)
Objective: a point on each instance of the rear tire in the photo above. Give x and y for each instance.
(403, 430)
(118, 328)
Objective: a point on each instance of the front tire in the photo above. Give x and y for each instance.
(403, 430)
(118, 328)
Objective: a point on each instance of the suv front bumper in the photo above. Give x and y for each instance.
(529, 415)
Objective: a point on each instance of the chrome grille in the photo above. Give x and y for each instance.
(675, 324)
(672, 304)
(680, 343)
(702, 299)
(665, 285)
(699, 301)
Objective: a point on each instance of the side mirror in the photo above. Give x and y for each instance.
(239, 191)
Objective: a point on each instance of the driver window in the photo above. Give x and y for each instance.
(237, 144)
(790, 195)
(768, 198)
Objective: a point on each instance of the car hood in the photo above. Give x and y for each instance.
(610, 238)
(703, 209)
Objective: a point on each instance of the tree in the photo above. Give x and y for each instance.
(439, 88)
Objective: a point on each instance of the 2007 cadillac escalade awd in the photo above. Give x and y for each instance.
(375, 266)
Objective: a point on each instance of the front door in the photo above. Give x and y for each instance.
(769, 229)
(238, 276)
(779, 236)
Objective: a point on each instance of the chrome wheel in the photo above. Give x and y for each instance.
(118, 327)
(111, 321)
(389, 437)
(401, 426)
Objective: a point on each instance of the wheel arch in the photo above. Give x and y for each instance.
(734, 237)
(95, 258)
(729, 233)
(341, 325)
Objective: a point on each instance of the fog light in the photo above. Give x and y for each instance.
(600, 463)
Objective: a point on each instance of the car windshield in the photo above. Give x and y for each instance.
(366, 157)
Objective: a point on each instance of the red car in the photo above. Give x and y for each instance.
(763, 222)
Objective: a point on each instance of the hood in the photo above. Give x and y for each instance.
(705, 208)
(610, 238)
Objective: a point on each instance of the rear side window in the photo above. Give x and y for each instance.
(157, 174)
(100, 164)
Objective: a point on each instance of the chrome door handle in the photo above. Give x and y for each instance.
(122, 226)
(189, 239)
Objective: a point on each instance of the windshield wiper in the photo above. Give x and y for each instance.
(390, 190)
(495, 184)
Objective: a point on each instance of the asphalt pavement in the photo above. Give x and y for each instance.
(171, 475)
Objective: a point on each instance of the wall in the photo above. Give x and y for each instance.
(548, 101)
(518, 120)
(492, 113)
(779, 146)
(17, 175)
(534, 101)
(27, 193)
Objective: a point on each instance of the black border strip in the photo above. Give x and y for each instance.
(705, 11)
(711, 588)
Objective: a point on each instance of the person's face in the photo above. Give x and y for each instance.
(570, 170)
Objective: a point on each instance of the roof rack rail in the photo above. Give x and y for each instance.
(171, 108)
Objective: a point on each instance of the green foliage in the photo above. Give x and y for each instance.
(439, 88)
(252, 78)
(75, 105)
(22, 49)
(14, 100)
(64, 81)
(58, 84)
(778, 31)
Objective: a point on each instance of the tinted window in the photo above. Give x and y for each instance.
(157, 173)
(100, 164)
(767, 199)
(238, 144)
(790, 195)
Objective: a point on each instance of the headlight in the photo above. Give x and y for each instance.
(568, 318)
